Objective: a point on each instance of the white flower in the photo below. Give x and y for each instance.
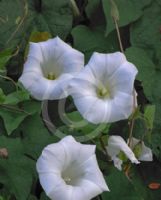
(145, 153)
(68, 170)
(49, 67)
(117, 144)
(103, 90)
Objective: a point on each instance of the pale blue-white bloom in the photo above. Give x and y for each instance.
(68, 170)
(116, 145)
(104, 90)
(49, 67)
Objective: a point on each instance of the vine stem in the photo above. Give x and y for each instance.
(11, 108)
(118, 35)
(75, 8)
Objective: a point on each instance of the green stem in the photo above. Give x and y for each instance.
(118, 35)
(11, 108)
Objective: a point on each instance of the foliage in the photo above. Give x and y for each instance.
(24, 133)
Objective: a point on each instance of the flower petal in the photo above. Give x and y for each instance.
(88, 189)
(32, 65)
(41, 88)
(50, 181)
(93, 173)
(123, 78)
(134, 142)
(35, 51)
(117, 162)
(55, 157)
(61, 192)
(83, 84)
(59, 55)
(104, 65)
(75, 149)
(91, 108)
(146, 154)
(121, 106)
(37, 85)
(117, 144)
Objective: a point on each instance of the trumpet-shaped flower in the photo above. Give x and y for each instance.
(117, 144)
(103, 90)
(49, 67)
(68, 170)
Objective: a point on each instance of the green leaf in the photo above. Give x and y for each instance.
(44, 197)
(80, 128)
(2, 96)
(146, 68)
(13, 20)
(13, 146)
(18, 18)
(120, 187)
(129, 11)
(16, 172)
(6, 86)
(148, 172)
(13, 115)
(94, 12)
(159, 2)
(16, 97)
(91, 7)
(149, 115)
(32, 197)
(36, 135)
(18, 178)
(4, 58)
(89, 40)
(58, 17)
(151, 82)
(145, 32)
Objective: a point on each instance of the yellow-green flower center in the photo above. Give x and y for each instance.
(51, 76)
(103, 92)
(67, 180)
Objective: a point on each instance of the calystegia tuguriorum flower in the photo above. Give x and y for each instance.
(103, 90)
(49, 67)
(68, 170)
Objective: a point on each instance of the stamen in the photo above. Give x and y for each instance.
(67, 180)
(103, 92)
(51, 76)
